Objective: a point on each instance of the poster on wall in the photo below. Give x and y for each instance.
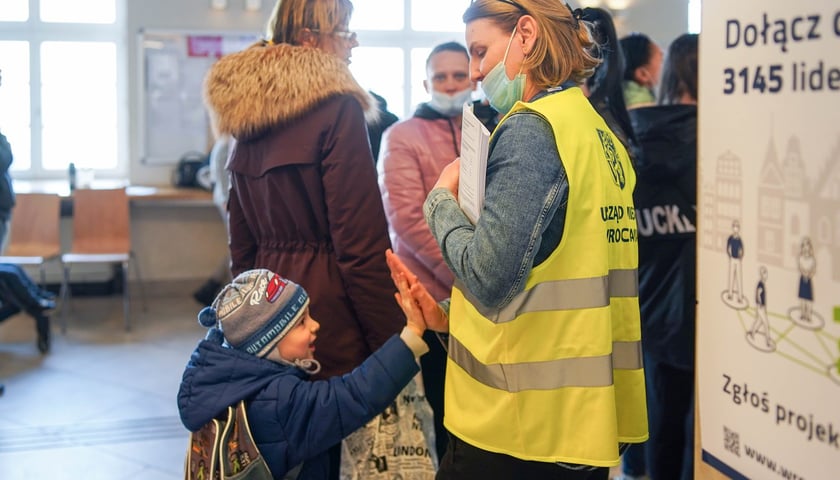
(175, 121)
(768, 352)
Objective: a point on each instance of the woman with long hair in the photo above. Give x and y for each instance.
(304, 200)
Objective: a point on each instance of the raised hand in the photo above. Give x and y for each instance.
(434, 316)
(413, 315)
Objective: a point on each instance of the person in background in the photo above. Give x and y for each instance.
(538, 381)
(261, 349)
(221, 192)
(643, 61)
(604, 87)
(378, 126)
(304, 198)
(7, 192)
(604, 91)
(667, 178)
(414, 151)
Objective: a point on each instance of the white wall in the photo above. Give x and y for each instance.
(662, 20)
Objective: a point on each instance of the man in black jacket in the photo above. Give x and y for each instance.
(666, 200)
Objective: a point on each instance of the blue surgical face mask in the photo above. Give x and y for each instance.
(450, 105)
(500, 90)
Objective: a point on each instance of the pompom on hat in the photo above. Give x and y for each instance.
(256, 310)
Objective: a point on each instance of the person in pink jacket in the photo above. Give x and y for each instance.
(413, 153)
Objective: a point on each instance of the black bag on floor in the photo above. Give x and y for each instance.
(193, 171)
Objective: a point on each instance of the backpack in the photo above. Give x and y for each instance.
(224, 449)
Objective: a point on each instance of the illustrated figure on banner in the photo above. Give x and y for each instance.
(761, 326)
(805, 316)
(734, 295)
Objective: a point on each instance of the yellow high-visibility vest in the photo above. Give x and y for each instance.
(556, 375)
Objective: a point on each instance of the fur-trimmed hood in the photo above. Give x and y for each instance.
(263, 86)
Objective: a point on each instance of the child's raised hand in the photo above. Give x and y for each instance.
(413, 314)
(433, 316)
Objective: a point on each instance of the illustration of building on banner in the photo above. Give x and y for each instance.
(791, 208)
(796, 233)
(723, 200)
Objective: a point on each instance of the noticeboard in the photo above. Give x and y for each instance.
(173, 117)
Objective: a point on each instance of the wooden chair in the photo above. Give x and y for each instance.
(35, 237)
(101, 234)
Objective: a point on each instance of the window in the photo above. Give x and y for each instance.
(79, 11)
(14, 100)
(14, 11)
(61, 65)
(694, 17)
(395, 36)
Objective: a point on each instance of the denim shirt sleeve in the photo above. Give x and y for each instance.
(526, 188)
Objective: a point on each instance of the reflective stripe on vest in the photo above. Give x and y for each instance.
(565, 372)
(570, 294)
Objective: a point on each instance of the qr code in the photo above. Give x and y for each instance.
(732, 441)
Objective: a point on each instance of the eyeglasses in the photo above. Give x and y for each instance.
(342, 34)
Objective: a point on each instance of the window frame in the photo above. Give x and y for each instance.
(35, 32)
(405, 39)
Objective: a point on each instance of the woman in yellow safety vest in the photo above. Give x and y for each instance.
(544, 374)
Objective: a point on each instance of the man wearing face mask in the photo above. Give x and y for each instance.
(413, 154)
(414, 151)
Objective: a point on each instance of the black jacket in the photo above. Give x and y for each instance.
(666, 202)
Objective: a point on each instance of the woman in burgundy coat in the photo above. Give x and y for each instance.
(304, 199)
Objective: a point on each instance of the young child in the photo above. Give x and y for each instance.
(261, 349)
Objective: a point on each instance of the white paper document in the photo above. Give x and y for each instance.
(475, 142)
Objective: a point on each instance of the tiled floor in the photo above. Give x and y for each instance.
(101, 404)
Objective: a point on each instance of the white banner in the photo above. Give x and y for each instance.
(769, 238)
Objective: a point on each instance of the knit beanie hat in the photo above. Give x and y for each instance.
(256, 310)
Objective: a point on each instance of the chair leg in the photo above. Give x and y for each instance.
(65, 297)
(139, 280)
(126, 300)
